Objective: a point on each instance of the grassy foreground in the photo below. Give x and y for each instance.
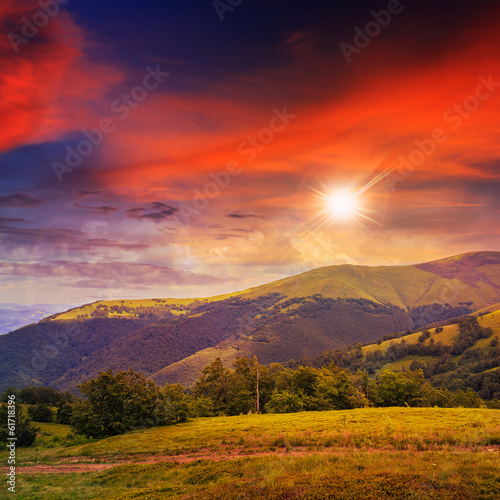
(379, 453)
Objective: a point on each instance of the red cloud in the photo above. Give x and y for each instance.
(48, 76)
(354, 127)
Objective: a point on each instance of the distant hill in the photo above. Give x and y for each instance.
(171, 340)
(14, 316)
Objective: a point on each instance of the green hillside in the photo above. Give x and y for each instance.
(488, 317)
(463, 354)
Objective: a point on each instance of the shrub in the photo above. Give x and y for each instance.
(425, 335)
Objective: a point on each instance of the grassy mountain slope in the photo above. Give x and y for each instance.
(473, 277)
(173, 339)
(476, 364)
(489, 317)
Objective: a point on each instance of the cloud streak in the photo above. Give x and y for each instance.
(19, 200)
(156, 212)
(107, 275)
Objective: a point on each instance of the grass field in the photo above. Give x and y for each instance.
(376, 453)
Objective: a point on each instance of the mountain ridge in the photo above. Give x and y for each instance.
(302, 315)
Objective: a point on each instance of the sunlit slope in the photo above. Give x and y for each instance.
(476, 361)
(469, 278)
(473, 277)
(176, 306)
(446, 337)
(489, 317)
(490, 309)
(403, 286)
(187, 371)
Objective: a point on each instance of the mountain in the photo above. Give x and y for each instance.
(171, 340)
(14, 316)
(464, 354)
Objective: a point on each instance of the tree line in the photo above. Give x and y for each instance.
(117, 403)
(114, 403)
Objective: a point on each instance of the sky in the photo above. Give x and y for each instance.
(193, 148)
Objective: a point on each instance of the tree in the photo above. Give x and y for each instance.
(64, 413)
(176, 403)
(214, 384)
(281, 377)
(242, 387)
(304, 379)
(8, 392)
(200, 407)
(39, 394)
(40, 413)
(467, 399)
(336, 389)
(284, 402)
(115, 404)
(398, 389)
(25, 430)
(250, 382)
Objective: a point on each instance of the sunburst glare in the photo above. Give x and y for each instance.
(343, 204)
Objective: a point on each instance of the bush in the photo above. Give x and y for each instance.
(425, 335)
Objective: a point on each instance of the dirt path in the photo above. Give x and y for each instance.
(75, 464)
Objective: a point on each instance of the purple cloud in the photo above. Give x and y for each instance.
(19, 200)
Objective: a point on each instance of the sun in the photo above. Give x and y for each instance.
(343, 204)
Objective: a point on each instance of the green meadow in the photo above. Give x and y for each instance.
(369, 453)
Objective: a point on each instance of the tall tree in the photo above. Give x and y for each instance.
(214, 384)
